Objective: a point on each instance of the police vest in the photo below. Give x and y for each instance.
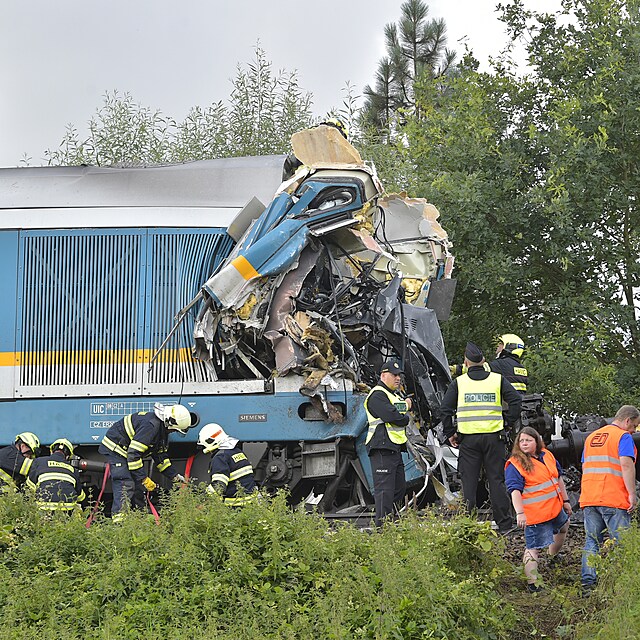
(602, 481)
(397, 434)
(541, 497)
(479, 404)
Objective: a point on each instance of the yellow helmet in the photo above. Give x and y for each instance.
(30, 439)
(62, 443)
(512, 343)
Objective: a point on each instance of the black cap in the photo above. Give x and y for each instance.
(392, 366)
(473, 353)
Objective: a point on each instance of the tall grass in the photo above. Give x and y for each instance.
(616, 599)
(263, 571)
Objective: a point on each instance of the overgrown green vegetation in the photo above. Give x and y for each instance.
(618, 615)
(264, 109)
(535, 173)
(207, 571)
(261, 572)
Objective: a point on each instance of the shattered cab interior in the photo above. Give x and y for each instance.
(328, 281)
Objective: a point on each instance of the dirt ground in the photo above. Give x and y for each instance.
(559, 609)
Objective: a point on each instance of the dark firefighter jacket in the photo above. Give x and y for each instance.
(14, 467)
(136, 436)
(56, 483)
(450, 401)
(231, 475)
(510, 367)
(379, 406)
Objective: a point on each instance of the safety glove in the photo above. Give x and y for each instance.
(149, 484)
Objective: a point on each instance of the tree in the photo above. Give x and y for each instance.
(264, 109)
(537, 178)
(416, 47)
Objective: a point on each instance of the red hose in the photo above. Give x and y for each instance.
(95, 508)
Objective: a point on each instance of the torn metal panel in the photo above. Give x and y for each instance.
(332, 278)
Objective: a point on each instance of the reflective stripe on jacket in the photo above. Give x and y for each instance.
(602, 481)
(397, 434)
(56, 483)
(231, 475)
(541, 497)
(135, 437)
(479, 404)
(14, 467)
(509, 367)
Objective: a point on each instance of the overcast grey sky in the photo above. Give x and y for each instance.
(58, 58)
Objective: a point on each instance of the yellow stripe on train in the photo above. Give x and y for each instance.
(245, 268)
(98, 357)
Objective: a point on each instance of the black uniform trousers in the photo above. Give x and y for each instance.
(389, 482)
(488, 450)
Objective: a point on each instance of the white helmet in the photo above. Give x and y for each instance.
(211, 437)
(175, 416)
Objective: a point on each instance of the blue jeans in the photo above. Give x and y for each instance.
(597, 520)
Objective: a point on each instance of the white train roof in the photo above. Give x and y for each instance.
(206, 193)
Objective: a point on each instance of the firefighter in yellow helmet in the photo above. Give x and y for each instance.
(55, 481)
(16, 460)
(129, 441)
(507, 362)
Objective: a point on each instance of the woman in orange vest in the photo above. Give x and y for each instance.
(539, 497)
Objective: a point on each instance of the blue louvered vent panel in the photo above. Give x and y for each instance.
(80, 317)
(180, 264)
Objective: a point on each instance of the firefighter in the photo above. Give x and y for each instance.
(16, 460)
(230, 472)
(507, 362)
(476, 399)
(56, 483)
(386, 439)
(133, 438)
(608, 487)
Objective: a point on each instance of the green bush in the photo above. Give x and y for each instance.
(263, 571)
(616, 598)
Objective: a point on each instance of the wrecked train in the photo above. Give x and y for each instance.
(292, 307)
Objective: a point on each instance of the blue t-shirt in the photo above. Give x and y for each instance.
(514, 479)
(625, 447)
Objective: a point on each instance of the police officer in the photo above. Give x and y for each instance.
(386, 438)
(507, 362)
(230, 472)
(56, 483)
(131, 439)
(16, 460)
(476, 398)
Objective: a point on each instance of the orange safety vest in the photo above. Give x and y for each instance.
(541, 497)
(602, 481)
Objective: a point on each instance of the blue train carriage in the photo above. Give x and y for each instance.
(104, 258)
(330, 280)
